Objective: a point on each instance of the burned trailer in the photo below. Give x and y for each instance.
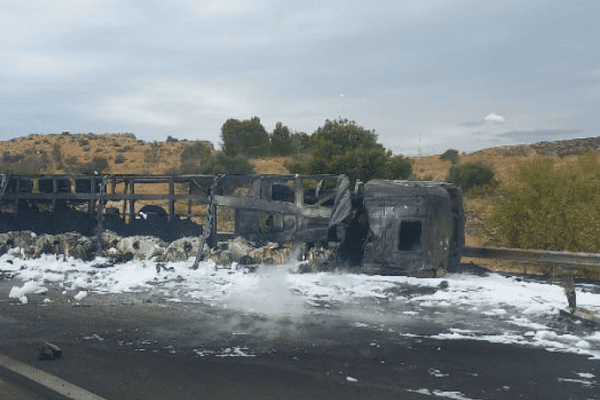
(278, 208)
(402, 228)
(381, 227)
(125, 204)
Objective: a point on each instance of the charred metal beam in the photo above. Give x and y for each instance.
(273, 206)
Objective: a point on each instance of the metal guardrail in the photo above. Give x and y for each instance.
(563, 259)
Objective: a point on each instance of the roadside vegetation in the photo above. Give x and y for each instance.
(552, 208)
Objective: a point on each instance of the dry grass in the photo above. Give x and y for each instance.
(83, 148)
(270, 165)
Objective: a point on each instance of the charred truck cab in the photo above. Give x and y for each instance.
(404, 228)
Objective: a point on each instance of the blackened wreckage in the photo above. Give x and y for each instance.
(380, 227)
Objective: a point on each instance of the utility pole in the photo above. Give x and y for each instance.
(420, 152)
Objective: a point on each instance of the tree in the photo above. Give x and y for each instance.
(339, 137)
(301, 143)
(246, 137)
(450, 155)
(342, 147)
(281, 143)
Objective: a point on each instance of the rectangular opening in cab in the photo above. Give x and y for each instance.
(409, 235)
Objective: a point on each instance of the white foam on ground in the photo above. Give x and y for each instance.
(494, 308)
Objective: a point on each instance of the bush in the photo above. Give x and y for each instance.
(450, 155)
(551, 208)
(97, 165)
(10, 159)
(124, 149)
(71, 161)
(171, 139)
(152, 155)
(342, 147)
(56, 153)
(83, 142)
(399, 167)
(470, 175)
(120, 159)
(193, 156)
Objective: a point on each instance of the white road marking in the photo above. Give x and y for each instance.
(47, 380)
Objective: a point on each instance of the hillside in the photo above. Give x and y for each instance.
(63, 153)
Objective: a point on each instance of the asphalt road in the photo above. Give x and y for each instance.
(138, 346)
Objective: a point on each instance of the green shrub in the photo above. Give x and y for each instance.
(342, 147)
(10, 159)
(124, 149)
(71, 161)
(467, 176)
(551, 208)
(224, 164)
(98, 164)
(193, 156)
(120, 159)
(450, 155)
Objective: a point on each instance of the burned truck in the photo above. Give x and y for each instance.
(379, 227)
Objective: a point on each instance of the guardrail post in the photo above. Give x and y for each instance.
(570, 290)
(298, 201)
(131, 200)
(171, 201)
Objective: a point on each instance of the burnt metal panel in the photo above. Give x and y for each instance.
(423, 208)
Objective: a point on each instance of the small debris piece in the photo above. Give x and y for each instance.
(49, 352)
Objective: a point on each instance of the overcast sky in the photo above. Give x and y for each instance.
(463, 74)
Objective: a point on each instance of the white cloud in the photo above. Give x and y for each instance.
(495, 118)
